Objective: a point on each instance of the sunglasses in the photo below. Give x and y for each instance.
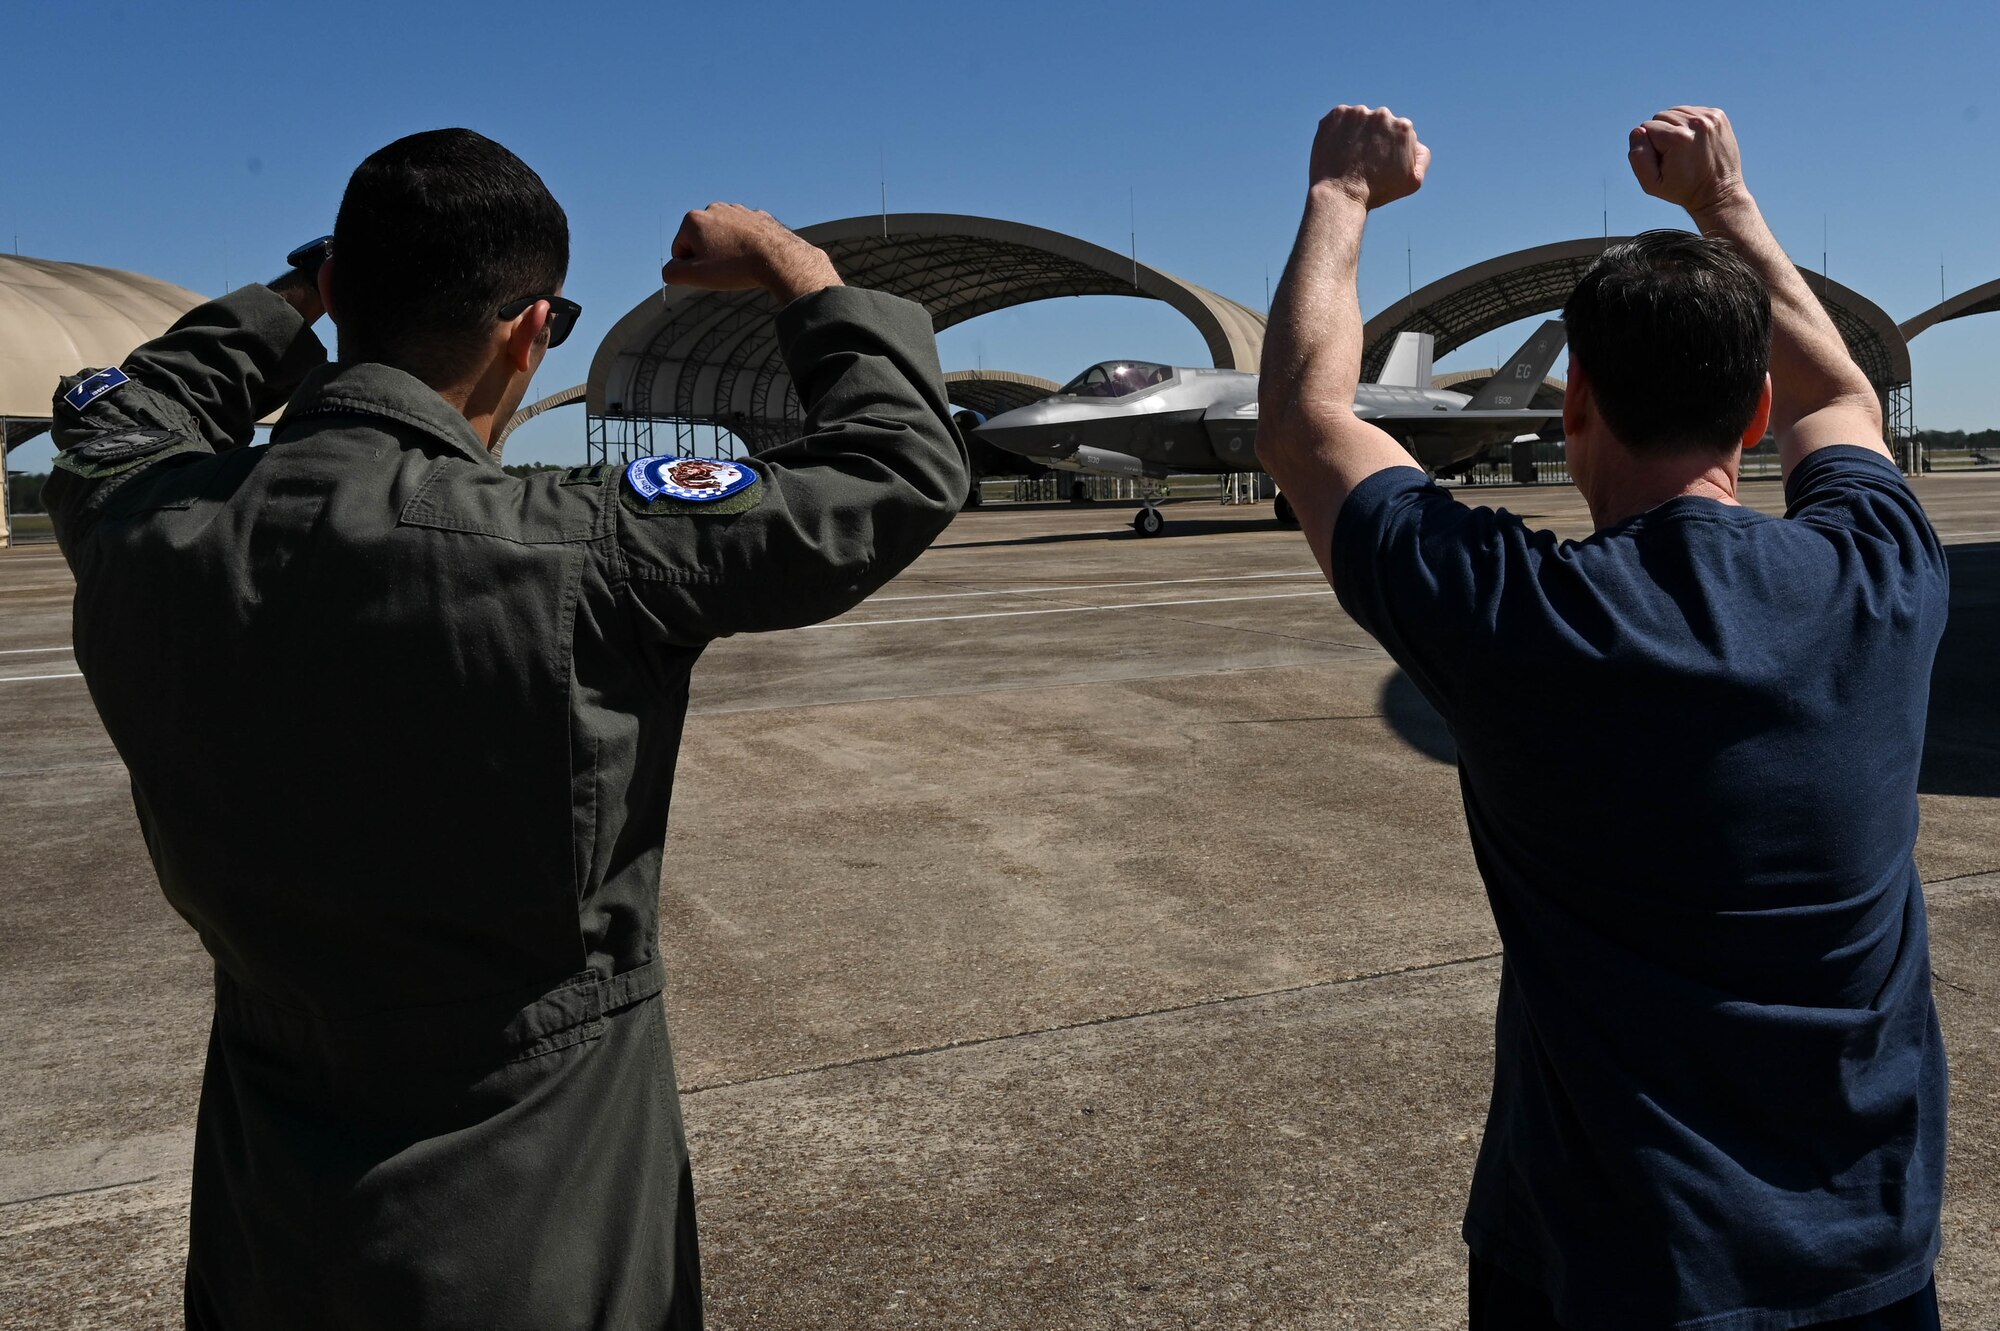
(563, 315)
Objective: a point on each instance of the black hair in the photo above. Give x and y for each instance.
(436, 232)
(1674, 331)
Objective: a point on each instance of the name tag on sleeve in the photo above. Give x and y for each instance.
(96, 386)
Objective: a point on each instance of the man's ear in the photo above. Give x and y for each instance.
(324, 280)
(1578, 406)
(525, 331)
(1760, 419)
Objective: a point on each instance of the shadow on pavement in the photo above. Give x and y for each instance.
(1415, 721)
(1119, 528)
(1962, 742)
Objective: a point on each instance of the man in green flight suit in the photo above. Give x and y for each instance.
(402, 728)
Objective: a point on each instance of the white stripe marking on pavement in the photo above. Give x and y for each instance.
(1062, 610)
(1055, 588)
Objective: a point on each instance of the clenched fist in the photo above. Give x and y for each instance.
(1688, 156)
(727, 247)
(1372, 155)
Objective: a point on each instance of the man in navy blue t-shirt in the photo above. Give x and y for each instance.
(1719, 1086)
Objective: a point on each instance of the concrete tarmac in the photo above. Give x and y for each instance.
(1080, 933)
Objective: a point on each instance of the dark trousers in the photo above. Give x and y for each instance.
(1498, 1302)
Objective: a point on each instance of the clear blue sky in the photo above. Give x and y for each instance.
(198, 141)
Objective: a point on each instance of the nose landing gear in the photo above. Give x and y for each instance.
(1149, 521)
(1281, 509)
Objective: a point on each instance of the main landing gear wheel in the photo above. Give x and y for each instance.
(1079, 492)
(1149, 521)
(1281, 509)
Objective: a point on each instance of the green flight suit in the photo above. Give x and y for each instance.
(402, 730)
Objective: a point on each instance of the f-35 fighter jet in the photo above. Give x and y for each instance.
(1139, 419)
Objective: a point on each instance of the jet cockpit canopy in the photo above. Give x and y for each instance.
(1116, 378)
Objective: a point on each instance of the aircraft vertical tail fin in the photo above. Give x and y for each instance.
(1409, 363)
(1513, 386)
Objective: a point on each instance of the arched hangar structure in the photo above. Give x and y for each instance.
(566, 397)
(1982, 299)
(1490, 295)
(990, 392)
(685, 358)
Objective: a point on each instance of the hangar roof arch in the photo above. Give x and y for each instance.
(1982, 299)
(56, 318)
(990, 392)
(689, 355)
(1489, 295)
(561, 398)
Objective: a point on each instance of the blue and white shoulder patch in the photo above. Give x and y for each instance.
(689, 480)
(96, 386)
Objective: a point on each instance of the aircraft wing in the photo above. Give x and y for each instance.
(1466, 420)
(1440, 440)
(1469, 418)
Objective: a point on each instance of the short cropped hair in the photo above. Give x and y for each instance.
(1674, 331)
(435, 234)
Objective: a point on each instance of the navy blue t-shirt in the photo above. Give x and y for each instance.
(1688, 748)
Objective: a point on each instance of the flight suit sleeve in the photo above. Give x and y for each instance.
(876, 475)
(199, 387)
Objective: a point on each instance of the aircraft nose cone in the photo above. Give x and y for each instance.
(1023, 430)
(1023, 439)
(1035, 413)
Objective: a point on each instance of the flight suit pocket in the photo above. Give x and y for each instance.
(576, 1012)
(569, 1016)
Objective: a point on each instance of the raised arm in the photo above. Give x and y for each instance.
(1819, 396)
(201, 386)
(1308, 436)
(876, 472)
(235, 360)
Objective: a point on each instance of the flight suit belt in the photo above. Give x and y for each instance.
(478, 1032)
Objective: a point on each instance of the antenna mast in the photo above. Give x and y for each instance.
(1132, 202)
